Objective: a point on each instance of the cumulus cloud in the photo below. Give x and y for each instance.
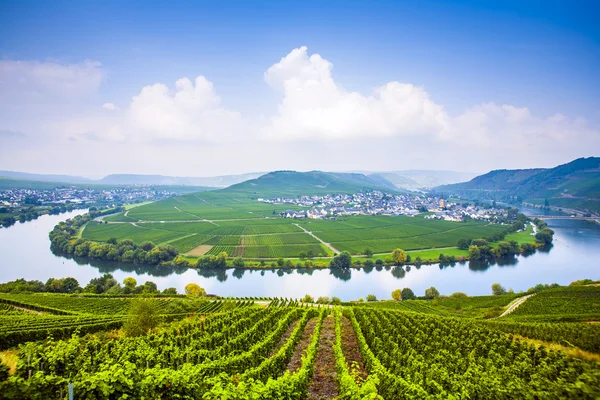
(191, 112)
(50, 78)
(314, 106)
(110, 106)
(323, 125)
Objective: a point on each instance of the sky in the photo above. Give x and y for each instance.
(212, 88)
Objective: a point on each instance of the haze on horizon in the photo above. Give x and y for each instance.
(210, 89)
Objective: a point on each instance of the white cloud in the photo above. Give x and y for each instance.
(314, 106)
(190, 113)
(50, 78)
(395, 126)
(110, 106)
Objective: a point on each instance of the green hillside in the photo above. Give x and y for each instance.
(292, 183)
(572, 185)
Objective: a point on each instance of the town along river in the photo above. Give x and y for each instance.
(25, 253)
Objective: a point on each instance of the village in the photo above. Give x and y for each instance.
(13, 198)
(374, 202)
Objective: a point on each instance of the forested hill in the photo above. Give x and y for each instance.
(572, 185)
(294, 183)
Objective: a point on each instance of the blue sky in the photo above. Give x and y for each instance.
(542, 56)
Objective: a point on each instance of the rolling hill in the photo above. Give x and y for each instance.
(292, 183)
(572, 185)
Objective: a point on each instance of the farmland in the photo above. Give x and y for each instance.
(231, 222)
(276, 349)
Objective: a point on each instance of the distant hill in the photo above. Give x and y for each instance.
(422, 179)
(292, 183)
(136, 179)
(10, 183)
(572, 185)
(44, 177)
(214, 181)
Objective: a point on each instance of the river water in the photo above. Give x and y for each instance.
(25, 253)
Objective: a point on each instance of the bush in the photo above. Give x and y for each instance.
(342, 260)
(323, 300)
(408, 294)
(498, 289)
(142, 318)
(308, 299)
(431, 293)
(238, 262)
(458, 295)
(371, 297)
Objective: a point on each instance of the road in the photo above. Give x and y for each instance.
(513, 306)
(330, 247)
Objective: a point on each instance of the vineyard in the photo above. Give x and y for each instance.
(283, 349)
(572, 303)
(29, 317)
(244, 227)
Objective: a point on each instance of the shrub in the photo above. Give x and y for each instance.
(498, 289)
(142, 317)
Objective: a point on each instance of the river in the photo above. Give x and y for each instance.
(25, 253)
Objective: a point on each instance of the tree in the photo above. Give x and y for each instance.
(147, 246)
(70, 285)
(544, 236)
(458, 295)
(130, 282)
(368, 252)
(54, 286)
(342, 260)
(238, 262)
(193, 289)
(308, 299)
(336, 300)
(474, 253)
(463, 244)
(399, 256)
(497, 289)
(149, 287)
(432, 293)
(310, 254)
(170, 290)
(142, 317)
(323, 300)
(408, 294)
(302, 255)
(397, 295)
(371, 297)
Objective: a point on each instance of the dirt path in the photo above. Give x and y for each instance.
(513, 306)
(296, 360)
(27, 309)
(351, 351)
(283, 339)
(330, 247)
(324, 384)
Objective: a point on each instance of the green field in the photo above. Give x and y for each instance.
(235, 222)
